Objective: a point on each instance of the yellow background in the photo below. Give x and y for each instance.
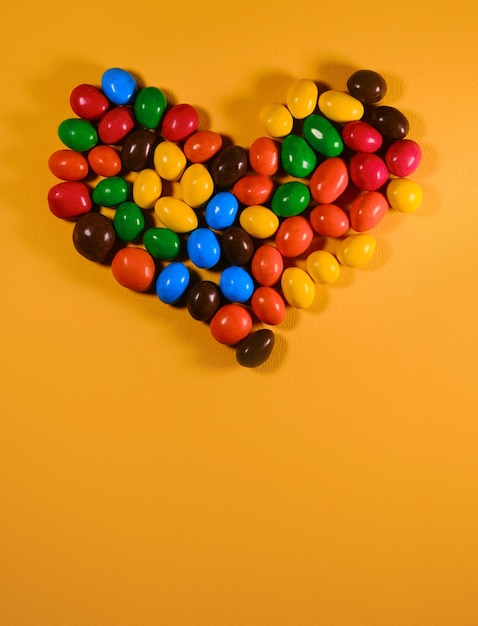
(147, 479)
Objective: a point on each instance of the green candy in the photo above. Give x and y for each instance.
(77, 134)
(297, 157)
(290, 198)
(128, 221)
(162, 243)
(149, 107)
(322, 136)
(111, 191)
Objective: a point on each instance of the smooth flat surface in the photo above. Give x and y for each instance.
(145, 478)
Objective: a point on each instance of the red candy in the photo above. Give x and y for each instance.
(367, 210)
(105, 161)
(202, 146)
(268, 305)
(403, 157)
(69, 200)
(116, 124)
(294, 236)
(329, 220)
(134, 268)
(267, 265)
(368, 171)
(264, 156)
(253, 189)
(88, 102)
(361, 137)
(179, 122)
(231, 324)
(329, 180)
(68, 165)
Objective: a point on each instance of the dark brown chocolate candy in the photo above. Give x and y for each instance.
(256, 348)
(237, 245)
(390, 122)
(138, 150)
(367, 86)
(94, 236)
(229, 165)
(203, 300)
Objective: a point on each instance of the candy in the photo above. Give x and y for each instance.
(264, 156)
(197, 185)
(256, 348)
(179, 122)
(268, 305)
(329, 220)
(128, 221)
(301, 97)
(118, 85)
(169, 160)
(221, 210)
(68, 165)
(356, 250)
(259, 221)
(361, 137)
(323, 267)
(236, 284)
(290, 198)
(329, 180)
(228, 166)
(237, 245)
(104, 160)
(403, 157)
(367, 86)
(172, 282)
(133, 268)
(202, 146)
(368, 171)
(276, 119)
(175, 214)
(162, 243)
(203, 248)
(297, 287)
(138, 149)
(253, 189)
(267, 265)
(203, 300)
(404, 195)
(110, 192)
(88, 102)
(340, 107)
(115, 125)
(149, 107)
(68, 200)
(322, 136)
(77, 134)
(231, 324)
(94, 237)
(297, 157)
(294, 236)
(390, 122)
(147, 188)
(367, 210)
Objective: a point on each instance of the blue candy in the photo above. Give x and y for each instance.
(204, 248)
(236, 284)
(172, 282)
(221, 210)
(118, 85)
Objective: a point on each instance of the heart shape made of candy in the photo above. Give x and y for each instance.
(330, 165)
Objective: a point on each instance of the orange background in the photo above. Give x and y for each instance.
(148, 480)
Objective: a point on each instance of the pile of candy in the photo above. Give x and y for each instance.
(161, 200)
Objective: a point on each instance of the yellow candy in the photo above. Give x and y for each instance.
(339, 106)
(259, 221)
(197, 185)
(302, 98)
(176, 214)
(404, 195)
(323, 267)
(298, 287)
(169, 160)
(356, 250)
(147, 187)
(276, 119)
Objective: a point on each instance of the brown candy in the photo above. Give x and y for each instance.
(138, 149)
(94, 237)
(256, 348)
(203, 300)
(237, 245)
(367, 86)
(390, 122)
(229, 166)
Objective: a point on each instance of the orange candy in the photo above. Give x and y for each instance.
(134, 268)
(68, 165)
(329, 220)
(329, 180)
(267, 265)
(231, 324)
(264, 156)
(253, 189)
(268, 305)
(104, 161)
(294, 236)
(367, 210)
(202, 146)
